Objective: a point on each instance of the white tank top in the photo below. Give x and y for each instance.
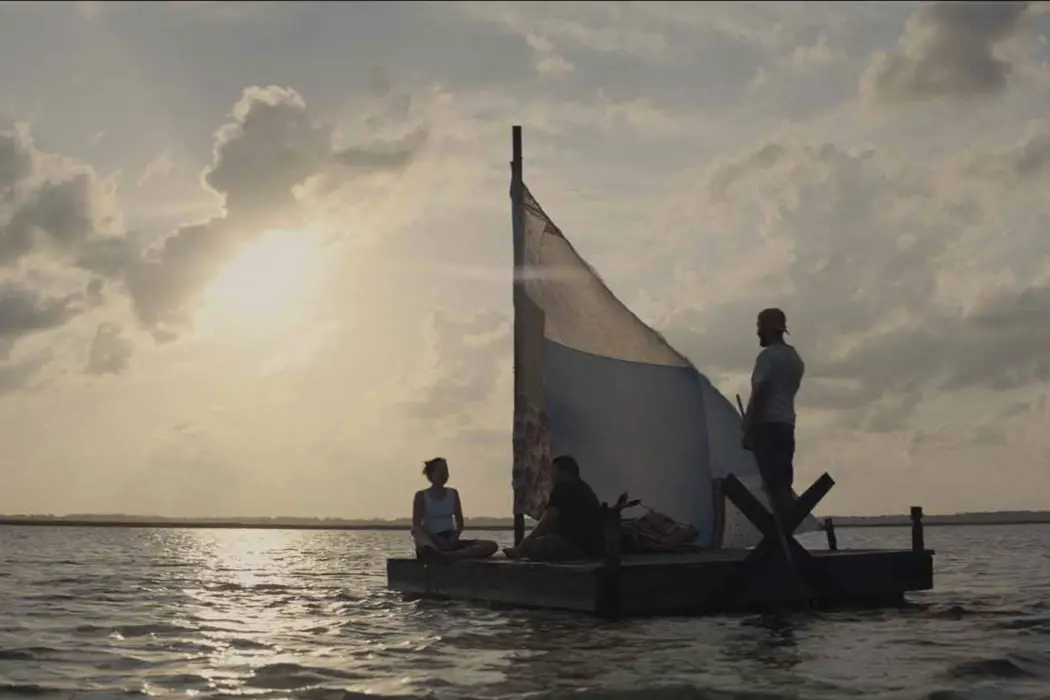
(439, 514)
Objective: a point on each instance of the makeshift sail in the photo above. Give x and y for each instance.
(594, 381)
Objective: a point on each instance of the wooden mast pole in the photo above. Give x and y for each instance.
(517, 198)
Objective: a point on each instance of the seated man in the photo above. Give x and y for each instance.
(571, 527)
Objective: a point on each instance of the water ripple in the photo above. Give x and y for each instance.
(110, 613)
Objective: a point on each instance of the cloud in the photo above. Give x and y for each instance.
(159, 166)
(590, 27)
(17, 161)
(806, 57)
(19, 374)
(862, 251)
(394, 154)
(260, 162)
(51, 205)
(1026, 161)
(61, 228)
(548, 61)
(948, 50)
(24, 312)
(999, 345)
(110, 351)
(463, 361)
(57, 220)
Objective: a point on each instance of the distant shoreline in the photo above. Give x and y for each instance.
(493, 525)
(222, 525)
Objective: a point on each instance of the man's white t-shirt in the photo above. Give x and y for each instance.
(780, 364)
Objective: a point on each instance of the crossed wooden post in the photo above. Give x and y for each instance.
(795, 555)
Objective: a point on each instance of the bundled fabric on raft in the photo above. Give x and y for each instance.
(655, 532)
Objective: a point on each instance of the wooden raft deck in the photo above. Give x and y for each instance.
(778, 571)
(669, 583)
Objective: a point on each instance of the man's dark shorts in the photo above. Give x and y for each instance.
(773, 445)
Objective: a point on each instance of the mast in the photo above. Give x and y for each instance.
(517, 199)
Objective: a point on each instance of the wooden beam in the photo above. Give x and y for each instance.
(807, 502)
(794, 555)
(517, 199)
(797, 559)
(829, 531)
(744, 500)
(918, 542)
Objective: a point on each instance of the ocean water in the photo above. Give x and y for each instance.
(112, 613)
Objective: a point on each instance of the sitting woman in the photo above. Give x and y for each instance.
(437, 520)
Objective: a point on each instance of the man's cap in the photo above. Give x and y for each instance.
(773, 319)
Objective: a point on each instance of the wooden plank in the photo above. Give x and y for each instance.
(667, 583)
(526, 584)
(829, 532)
(808, 501)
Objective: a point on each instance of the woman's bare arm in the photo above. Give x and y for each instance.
(459, 514)
(417, 510)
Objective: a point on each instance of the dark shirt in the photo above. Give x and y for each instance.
(579, 514)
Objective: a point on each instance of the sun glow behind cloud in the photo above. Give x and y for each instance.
(269, 287)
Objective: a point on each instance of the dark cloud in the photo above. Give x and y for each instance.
(384, 155)
(1029, 160)
(765, 157)
(947, 51)
(999, 345)
(272, 146)
(60, 209)
(110, 351)
(55, 209)
(1034, 156)
(989, 431)
(24, 312)
(61, 213)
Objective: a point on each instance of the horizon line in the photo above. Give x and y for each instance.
(16, 518)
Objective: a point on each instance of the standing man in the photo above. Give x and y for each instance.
(769, 421)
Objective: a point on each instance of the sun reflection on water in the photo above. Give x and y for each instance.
(245, 605)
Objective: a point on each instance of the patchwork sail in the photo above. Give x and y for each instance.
(594, 381)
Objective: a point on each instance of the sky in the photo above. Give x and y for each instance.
(255, 258)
